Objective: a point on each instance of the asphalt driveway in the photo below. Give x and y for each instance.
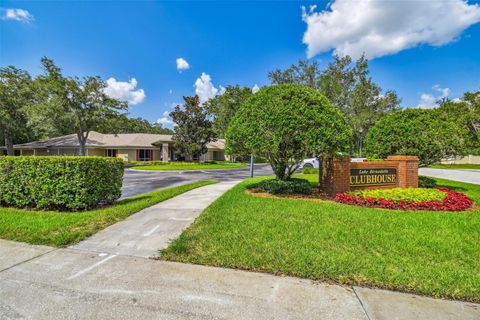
(137, 182)
(468, 176)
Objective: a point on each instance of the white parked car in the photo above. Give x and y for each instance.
(314, 163)
(310, 163)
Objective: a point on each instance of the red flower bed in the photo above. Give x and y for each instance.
(453, 201)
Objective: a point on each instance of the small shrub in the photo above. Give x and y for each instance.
(60, 183)
(291, 186)
(308, 170)
(426, 182)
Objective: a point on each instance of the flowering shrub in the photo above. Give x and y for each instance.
(453, 201)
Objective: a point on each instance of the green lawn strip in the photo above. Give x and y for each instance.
(456, 166)
(431, 253)
(190, 166)
(64, 228)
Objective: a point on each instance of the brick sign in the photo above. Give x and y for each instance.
(373, 177)
(342, 175)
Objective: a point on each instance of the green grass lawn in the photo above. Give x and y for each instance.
(431, 253)
(190, 166)
(456, 166)
(64, 228)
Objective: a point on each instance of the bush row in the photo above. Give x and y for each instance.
(426, 182)
(60, 183)
(291, 186)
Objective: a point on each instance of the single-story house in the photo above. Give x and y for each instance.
(127, 146)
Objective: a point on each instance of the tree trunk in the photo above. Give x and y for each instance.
(279, 170)
(9, 143)
(82, 141)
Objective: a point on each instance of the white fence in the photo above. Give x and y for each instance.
(470, 159)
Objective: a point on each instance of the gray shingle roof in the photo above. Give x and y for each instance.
(96, 139)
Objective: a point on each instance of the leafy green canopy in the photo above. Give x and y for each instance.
(193, 128)
(223, 107)
(428, 134)
(348, 85)
(466, 113)
(16, 95)
(286, 123)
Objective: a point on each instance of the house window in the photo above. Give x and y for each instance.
(111, 153)
(144, 155)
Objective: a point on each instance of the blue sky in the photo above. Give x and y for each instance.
(417, 48)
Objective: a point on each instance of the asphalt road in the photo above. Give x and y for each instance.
(469, 176)
(138, 182)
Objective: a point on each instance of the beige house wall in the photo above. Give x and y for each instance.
(127, 154)
(124, 154)
(96, 152)
(27, 152)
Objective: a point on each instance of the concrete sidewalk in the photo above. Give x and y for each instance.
(109, 276)
(144, 233)
(74, 284)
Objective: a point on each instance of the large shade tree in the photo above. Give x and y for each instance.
(222, 107)
(348, 85)
(286, 123)
(429, 134)
(466, 113)
(73, 104)
(193, 128)
(16, 95)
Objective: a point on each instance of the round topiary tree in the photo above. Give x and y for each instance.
(285, 124)
(428, 134)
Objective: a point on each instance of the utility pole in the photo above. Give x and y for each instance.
(251, 165)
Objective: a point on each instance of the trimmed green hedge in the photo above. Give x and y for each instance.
(290, 186)
(60, 183)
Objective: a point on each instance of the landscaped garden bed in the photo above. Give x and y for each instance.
(433, 253)
(439, 199)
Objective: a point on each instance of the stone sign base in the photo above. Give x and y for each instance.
(341, 175)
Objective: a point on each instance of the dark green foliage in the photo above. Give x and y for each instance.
(223, 107)
(426, 182)
(428, 134)
(16, 94)
(466, 113)
(69, 104)
(348, 86)
(124, 124)
(285, 124)
(60, 183)
(290, 186)
(193, 128)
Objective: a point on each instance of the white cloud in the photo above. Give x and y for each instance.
(379, 28)
(222, 90)
(255, 88)
(125, 91)
(16, 14)
(429, 101)
(182, 64)
(204, 88)
(165, 120)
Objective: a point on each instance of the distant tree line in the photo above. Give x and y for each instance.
(53, 104)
